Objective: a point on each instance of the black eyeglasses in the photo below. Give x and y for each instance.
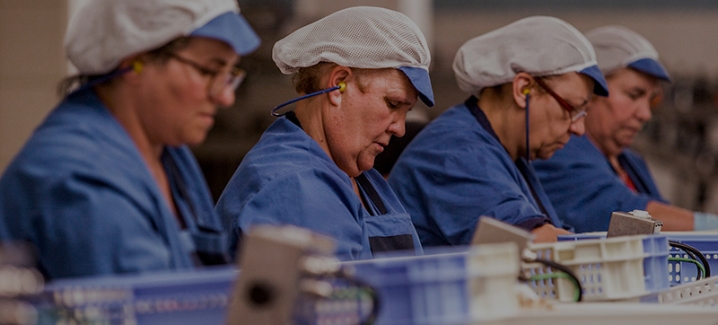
(219, 80)
(576, 113)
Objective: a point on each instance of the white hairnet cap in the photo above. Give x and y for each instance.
(539, 46)
(105, 32)
(360, 37)
(619, 47)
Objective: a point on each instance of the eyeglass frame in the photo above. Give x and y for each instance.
(234, 77)
(562, 102)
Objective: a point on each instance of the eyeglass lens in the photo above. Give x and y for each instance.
(575, 113)
(231, 79)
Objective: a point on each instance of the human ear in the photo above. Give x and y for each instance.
(339, 76)
(134, 66)
(521, 88)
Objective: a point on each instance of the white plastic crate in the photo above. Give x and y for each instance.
(608, 269)
(678, 272)
(702, 292)
(656, 268)
(493, 271)
(612, 313)
(446, 286)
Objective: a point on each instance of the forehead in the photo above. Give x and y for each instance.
(572, 84)
(209, 47)
(389, 79)
(631, 78)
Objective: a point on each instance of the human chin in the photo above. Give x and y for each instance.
(625, 140)
(196, 136)
(365, 162)
(544, 155)
(547, 153)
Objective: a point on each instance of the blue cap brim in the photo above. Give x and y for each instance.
(232, 29)
(650, 67)
(599, 83)
(421, 81)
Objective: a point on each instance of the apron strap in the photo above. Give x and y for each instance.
(372, 193)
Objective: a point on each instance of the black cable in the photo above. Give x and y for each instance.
(701, 273)
(693, 252)
(563, 269)
(690, 249)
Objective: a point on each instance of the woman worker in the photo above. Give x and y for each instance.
(106, 184)
(530, 82)
(596, 174)
(359, 71)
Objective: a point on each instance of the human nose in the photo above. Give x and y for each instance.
(222, 86)
(224, 98)
(398, 126)
(643, 112)
(578, 127)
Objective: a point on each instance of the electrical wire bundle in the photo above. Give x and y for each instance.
(555, 271)
(696, 257)
(359, 290)
(331, 292)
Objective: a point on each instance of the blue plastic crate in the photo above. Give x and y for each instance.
(655, 270)
(348, 304)
(655, 264)
(446, 286)
(193, 297)
(420, 290)
(682, 272)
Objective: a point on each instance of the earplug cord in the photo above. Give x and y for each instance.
(526, 92)
(341, 86)
(104, 78)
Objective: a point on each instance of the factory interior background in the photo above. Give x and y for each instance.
(680, 143)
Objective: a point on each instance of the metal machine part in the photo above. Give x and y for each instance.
(18, 280)
(492, 231)
(273, 263)
(636, 222)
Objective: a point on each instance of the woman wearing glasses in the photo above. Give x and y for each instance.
(596, 174)
(107, 184)
(529, 83)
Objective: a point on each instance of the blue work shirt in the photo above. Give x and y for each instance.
(286, 178)
(456, 170)
(81, 193)
(585, 190)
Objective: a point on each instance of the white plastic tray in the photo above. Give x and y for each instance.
(613, 313)
(609, 269)
(703, 292)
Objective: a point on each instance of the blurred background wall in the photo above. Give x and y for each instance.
(31, 64)
(680, 143)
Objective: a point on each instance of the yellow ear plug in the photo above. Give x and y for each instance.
(137, 66)
(342, 86)
(526, 91)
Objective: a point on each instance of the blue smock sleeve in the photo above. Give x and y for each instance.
(583, 187)
(453, 172)
(308, 198)
(86, 227)
(80, 191)
(471, 188)
(637, 169)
